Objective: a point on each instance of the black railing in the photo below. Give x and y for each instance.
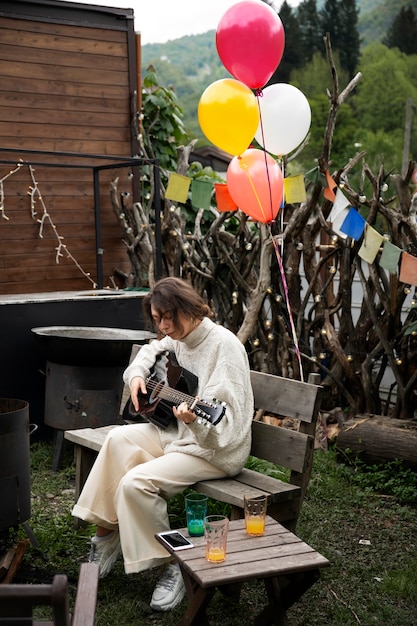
(112, 163)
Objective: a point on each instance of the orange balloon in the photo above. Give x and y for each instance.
(228, 115)
(256, 185)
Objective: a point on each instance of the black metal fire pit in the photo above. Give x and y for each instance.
(84, 367)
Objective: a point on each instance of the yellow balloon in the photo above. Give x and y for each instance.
(228, 115)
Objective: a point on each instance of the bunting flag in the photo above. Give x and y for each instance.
(338, 221)
(408, 269)
(390, 257)
(177, 189)
(372, 241)
(313, 175)
(224, 200)
(329, 192)
(294, 189)
(353, 224)
(339, 205)
(201, 194)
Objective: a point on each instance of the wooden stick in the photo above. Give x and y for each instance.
(19, 551)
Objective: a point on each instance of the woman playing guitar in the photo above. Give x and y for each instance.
(142, 465)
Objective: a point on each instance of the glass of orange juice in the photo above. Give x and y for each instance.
(255, 512)
(215, 532)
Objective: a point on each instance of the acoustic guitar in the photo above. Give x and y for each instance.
(169, 385)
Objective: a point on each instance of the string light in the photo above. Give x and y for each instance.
(36, 196)
(2, 208)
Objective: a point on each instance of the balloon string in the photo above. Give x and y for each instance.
(259, 94)
(287, 300)
(255, 193)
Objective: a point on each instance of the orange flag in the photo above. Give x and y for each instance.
(223, 198)
(329, 192)
(408, 269)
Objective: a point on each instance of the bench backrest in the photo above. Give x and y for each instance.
(282, 397)
(291, 449)
(17, 601)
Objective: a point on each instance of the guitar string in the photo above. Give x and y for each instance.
(168, 392)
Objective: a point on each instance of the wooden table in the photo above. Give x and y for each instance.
(287, 565)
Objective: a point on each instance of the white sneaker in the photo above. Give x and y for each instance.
(104, 552)
(169, 590)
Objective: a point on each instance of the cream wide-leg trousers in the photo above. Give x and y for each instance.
(128, 488)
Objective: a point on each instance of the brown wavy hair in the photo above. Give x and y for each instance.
(175, 296)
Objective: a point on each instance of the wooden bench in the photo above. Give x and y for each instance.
(290, 449)
(18, 601)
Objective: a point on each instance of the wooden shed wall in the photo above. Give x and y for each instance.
(67, 75)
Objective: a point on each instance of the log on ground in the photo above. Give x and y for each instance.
(378, 439)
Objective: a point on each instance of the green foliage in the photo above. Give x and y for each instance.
(391, 478)
(376, 16)
(402, 583)
(402, 33)
(379, 107)
(340, 20)
(163, 121)
(311, 40)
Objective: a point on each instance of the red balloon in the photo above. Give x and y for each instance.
(250, 42)
(255, 184)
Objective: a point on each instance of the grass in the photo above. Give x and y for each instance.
(362, 519)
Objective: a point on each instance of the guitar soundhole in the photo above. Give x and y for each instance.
(154, 395)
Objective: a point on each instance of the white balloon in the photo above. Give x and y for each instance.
(285, 118)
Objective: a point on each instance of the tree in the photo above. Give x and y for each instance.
(350, 43)
(375, 111)
(292, 57)
(339, 18)
(311, 38)
(402, 33)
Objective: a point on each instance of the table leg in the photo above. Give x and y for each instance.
(198, 599)
(297, 585)
(275, 612)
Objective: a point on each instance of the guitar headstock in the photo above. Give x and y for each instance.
(210, 411)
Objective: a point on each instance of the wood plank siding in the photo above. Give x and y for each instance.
(67, 79)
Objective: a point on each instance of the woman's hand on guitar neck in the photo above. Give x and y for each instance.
(137, 386)
(184, 413)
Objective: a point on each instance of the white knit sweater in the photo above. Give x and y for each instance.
(219, 360)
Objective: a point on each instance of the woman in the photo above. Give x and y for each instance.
(141, 466)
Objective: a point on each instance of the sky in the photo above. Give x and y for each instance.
(159, 21)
